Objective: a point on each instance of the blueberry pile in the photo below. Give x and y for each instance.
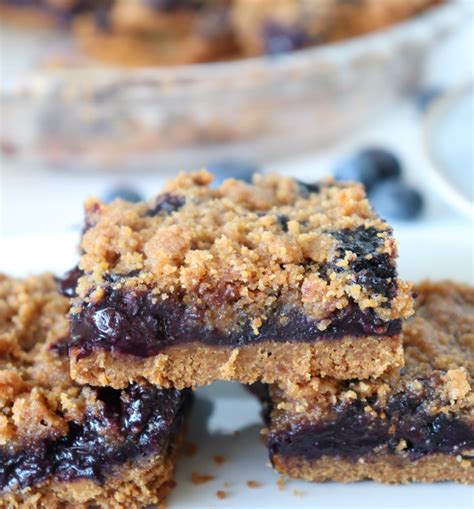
(381, 173)
(378, 169)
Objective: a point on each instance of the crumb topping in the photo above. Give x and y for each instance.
(37, 396)
(237, 251)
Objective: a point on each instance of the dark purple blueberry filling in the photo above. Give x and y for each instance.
(138, 324)
(134, 423)
(166, 204)
(61, 346)
(372, 269)
(68, 283)
(352, 433)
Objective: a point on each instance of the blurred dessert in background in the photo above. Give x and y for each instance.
(173, 32)
(158, 32)
(160, 117)
(43, 12)
(277, 26)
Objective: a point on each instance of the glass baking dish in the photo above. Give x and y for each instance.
(96, 118)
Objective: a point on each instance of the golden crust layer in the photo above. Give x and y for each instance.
(199, 364)
(386, 468)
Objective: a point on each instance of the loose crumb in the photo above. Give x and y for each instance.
(190, 449)
(298, 493)
(219, 459)
(281, 483)
(254, 484)
(227, 484)
(221, 494)
(201, 479)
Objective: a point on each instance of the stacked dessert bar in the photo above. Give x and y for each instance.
(267, 282)
(294, 285)
(280, 282)
(68, 445)
(415, 425)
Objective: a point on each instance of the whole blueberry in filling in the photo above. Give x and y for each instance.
(372, 269)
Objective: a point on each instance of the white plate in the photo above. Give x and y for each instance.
(233, 427)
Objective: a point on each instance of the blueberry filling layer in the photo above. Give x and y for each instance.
(140, 325)
(373, 270)
(353, 433)
(132, 424)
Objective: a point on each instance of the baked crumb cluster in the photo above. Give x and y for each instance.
(439, 366)
(241, 249)
(37, 395)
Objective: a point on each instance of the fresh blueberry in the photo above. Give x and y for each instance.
(124, 193)
(357, 169)
(369, 166)
(425, 97)
(241, 169)
(386, 163)
(394, 199)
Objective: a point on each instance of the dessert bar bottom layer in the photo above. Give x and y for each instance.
(195, 363)
(384, 468)
(132, 486)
